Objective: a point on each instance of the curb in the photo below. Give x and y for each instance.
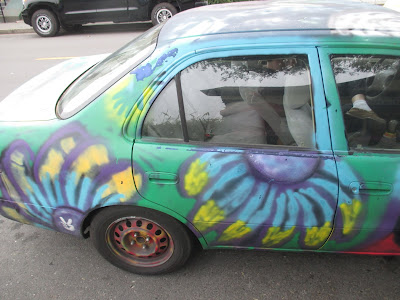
(12, 28)
(13, 31)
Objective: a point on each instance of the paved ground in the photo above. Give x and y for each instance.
(41, 264)
(15, 27)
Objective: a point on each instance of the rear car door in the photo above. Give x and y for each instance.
(363, 92)
(238, 143)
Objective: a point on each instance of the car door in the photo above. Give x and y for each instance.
(238, 143)
(112, 10)
(79, 11)
(363, 91)
(138, 10)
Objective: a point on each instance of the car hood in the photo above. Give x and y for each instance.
(36, 99)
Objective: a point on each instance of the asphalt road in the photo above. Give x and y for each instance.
(41, 264)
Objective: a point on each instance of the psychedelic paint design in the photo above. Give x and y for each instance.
(71, 174)
(271, 198)
(245, 200)
(57, 174)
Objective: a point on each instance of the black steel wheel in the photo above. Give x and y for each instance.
(45, 23)
(141, 240)
(162, 12)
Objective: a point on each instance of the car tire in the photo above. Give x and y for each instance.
(45, 23)
(140, 240)
(162, 12)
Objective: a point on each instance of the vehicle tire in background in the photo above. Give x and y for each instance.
(140, 240)
(162, 12)
(45, 23)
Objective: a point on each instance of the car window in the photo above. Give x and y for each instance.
(163, 119)
(369, 91)
(97, 79)
(245, 100)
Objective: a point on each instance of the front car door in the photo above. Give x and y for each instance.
(85, 11)
(237, 142)
(79, 11)
(363, 92)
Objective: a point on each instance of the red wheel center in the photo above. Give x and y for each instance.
(139, 239)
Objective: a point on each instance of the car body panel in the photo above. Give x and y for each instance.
(369, 217)
(56, 175)
(198, 165)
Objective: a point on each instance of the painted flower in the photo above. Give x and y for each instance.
(275, 200)
(71, 174)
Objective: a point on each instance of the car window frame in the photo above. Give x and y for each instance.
(335, 114)
(320, 117)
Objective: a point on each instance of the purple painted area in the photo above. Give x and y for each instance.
(147, 70)
(68, 220)
(143, 72)
(282, 169)
(164, 57)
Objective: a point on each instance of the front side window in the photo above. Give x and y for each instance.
(369, 91)
(264, 100)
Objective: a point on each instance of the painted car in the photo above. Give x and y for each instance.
(258, 125)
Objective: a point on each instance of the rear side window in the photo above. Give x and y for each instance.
(369, 90)
(255, 100)
(163, 119)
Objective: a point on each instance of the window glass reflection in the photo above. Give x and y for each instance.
(369, 90)
(250, 100)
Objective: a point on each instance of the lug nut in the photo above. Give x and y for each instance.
(147, 239)
(132, 242)
(144, 247)
(136, 234)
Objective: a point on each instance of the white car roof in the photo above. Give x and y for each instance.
(281, 15)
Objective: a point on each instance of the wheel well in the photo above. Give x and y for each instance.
(36, 7)
(85, 228)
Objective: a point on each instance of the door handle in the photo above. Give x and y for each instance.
(371, 188)
(162, 177)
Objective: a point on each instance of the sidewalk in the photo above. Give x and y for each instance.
(15, 27)
(21, 27)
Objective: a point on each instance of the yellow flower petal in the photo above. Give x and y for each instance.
(275, 236)
(350, 214)
(208, 214)
(317, 235)
(235, 231)
(196, 178)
